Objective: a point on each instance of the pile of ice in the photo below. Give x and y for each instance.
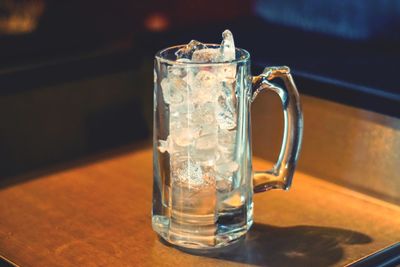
(202, 115)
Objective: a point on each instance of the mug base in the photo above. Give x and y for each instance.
(202, 241)
(201, 250)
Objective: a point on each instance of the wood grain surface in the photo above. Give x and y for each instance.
(99, 214)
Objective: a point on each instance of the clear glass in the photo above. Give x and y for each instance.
(203, 177)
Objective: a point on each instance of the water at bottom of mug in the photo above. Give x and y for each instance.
(202, 218)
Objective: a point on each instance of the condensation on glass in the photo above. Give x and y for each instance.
(203, 177)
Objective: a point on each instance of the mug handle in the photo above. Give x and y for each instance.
(281, 175)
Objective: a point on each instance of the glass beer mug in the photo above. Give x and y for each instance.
(202, 160)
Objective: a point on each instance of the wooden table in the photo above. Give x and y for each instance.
(98, 214)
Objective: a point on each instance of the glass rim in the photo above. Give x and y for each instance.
(244, 58)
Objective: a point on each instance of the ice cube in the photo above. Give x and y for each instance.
(229, 91)
(228, 46)
(223, 184)
(178, 156)
(165, 145)
(206, 55)
(185, 136)
(174, 90)
(205, 157)
(234, 199)
(203, 114)
(188, 173)
(205, 87)
(205, 151)
(226, 169)
(225, 113)
(188, 50)
(207, 141)
(206, 80)
(209, 129)
(180, 112)
(228, 72)
(226, 137)
(179, 70)
(226, 141)
(226, 146)
(180, 115)
(209, 177)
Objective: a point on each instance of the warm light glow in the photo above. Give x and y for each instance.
(156, 22)
(23, 16)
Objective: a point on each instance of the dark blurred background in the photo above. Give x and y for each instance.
(76, 76)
